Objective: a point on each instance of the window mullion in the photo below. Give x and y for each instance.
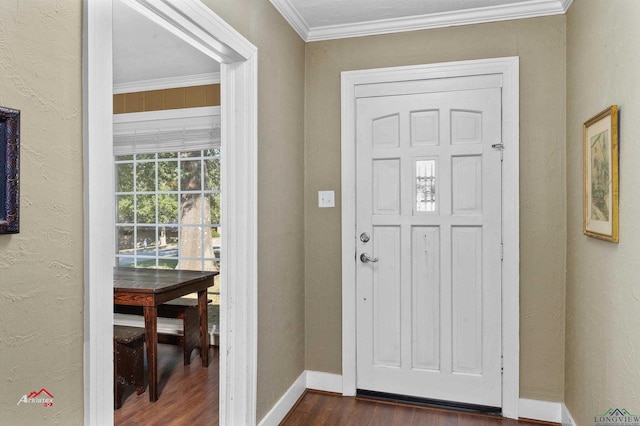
(157, 198)
(179, 205)
(202, 238)
(135, 210)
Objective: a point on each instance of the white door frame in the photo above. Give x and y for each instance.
(508, 69)
(197, 25)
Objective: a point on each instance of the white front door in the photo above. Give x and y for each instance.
(428, 189)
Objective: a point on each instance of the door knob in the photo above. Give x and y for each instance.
(364, 258)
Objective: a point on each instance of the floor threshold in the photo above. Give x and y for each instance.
(427, 402)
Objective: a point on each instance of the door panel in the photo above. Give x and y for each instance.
(466, 283)
(466, 184)
(386, 186)
(424, 128)
(425, 294)
(466, 127)
(386, 296)
(428, 187)
(385, 132)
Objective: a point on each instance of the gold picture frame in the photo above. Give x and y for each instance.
(600, 151)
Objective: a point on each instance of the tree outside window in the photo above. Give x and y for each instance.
(168, 210)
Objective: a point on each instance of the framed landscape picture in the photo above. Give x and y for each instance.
(600, 136)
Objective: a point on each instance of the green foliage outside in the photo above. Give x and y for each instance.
(170, 173)
(166, 189)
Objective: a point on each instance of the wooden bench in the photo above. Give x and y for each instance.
(128, 361)
(184, 309)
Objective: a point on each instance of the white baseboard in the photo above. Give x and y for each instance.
(327, 382)
(567, 418)
(540, 410)
(308, 380)
(548, 411)
(285, 403)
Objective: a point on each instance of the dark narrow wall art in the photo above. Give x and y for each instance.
(9, 171)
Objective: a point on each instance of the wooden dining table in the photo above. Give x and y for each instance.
(151, 287)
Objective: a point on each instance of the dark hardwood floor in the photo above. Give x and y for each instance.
(188, 394)
(320, 408)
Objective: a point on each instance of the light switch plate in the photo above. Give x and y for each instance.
(326, 199)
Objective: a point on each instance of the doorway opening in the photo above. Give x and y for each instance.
(197, 25)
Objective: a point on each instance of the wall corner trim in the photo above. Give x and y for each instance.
(286, 402)
(327, 382)
(567, 418)
(540, 410)
(316, 380)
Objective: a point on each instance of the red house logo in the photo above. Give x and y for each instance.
(42, 396)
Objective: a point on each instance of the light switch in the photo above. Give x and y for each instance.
(326, 199)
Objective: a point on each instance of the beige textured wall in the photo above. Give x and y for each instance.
(540, 44)
(603, 293)
(280, 193)
(41, 268)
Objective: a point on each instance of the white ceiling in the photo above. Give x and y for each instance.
(143, 51)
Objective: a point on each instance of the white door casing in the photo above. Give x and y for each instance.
(428, 194)
(197, 25)
(383, 82)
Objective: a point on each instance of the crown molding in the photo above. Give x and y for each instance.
(166, 83)
(293, 17)
(530, 9)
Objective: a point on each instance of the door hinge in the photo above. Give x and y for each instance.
(501, 251)
(501, 364)
(499, 146)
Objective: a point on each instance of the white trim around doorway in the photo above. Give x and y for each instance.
(508, 70)
(197, 25)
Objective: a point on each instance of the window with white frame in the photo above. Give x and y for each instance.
(168, 190)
